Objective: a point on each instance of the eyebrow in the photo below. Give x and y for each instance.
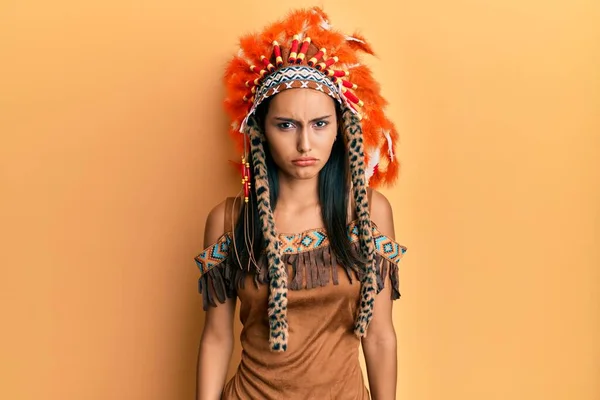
(298, 122)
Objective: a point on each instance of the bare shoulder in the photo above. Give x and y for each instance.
(382, 214)
(215, 224)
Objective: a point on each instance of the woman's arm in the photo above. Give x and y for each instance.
(216, 344)
(379, 345)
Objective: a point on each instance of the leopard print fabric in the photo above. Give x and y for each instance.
(277, 272)
(368, 291)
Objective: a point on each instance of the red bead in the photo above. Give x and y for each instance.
(349, 85)
(293, 50)
(276, 49)
(336, 73)
(303, 51)
(352, 97)
(316, 57)
(277, 52)
(330, 61)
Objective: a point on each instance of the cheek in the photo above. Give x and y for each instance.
(278, 146)
(330, 138)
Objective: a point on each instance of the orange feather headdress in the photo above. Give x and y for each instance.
(306, 38)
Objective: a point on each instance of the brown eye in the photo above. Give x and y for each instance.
(284, 126)
(321, 124)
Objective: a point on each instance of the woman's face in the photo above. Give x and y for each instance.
(300, 127)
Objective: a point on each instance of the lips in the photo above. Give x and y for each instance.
(304, 161)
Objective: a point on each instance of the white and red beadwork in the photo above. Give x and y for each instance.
(273, 79)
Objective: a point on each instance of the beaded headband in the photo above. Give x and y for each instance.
(294, 77)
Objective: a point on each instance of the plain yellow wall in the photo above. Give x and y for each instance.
(113, 150)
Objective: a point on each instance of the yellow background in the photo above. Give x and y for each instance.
(113, 150)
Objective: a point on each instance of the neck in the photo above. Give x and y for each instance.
(295, 195)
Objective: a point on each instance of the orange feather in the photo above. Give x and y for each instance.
(361, 44)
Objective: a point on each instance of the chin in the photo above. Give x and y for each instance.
(305, 177)
(304, 173)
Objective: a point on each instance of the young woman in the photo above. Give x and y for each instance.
(308, 248)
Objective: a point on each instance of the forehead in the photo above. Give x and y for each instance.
(302, 101)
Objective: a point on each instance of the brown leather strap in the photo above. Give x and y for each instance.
(230, 220)
(228, 213)
(369, 197)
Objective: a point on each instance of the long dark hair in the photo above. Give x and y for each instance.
(334, 189)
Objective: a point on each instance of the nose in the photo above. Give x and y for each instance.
(303, 144)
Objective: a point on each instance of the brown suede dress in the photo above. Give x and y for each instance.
(322, 359)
